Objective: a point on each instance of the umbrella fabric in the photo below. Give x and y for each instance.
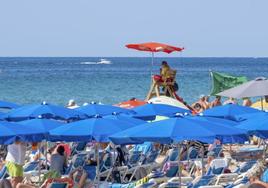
(92, 110)
(43, 111)
(216, 120)
(132, 103)
(8, 105)
(125, 118)
(253, 88)
(243, 117)
(98, 129)
(257, 125)
(23, 132)
(7, 134)
(168, 101)
(44, 125)
(229, 111)
(180, 129)
(154, 47)
(150, 111)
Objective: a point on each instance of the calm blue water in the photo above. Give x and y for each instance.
(56, 80)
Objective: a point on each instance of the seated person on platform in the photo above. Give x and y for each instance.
(164, 70)
(165, 73)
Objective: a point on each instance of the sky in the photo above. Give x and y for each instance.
(206, 28)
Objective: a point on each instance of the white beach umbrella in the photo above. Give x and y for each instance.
(168, 101)
(253, 88)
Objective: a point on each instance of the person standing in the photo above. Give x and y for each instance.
(14, 161)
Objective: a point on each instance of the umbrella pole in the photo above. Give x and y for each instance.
(39, 165)
(202, 160)
(46, 154)
(152, 65)
(179, 167)
(261, 103)
(98, 165)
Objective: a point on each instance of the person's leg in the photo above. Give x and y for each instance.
(15, 181)
(15, 171)
(82, 180)
(21, 185)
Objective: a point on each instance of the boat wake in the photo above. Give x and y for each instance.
(102, 61)
(89, 63)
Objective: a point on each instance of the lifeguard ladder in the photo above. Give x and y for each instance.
(161, 87)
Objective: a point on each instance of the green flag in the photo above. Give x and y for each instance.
(221, 82)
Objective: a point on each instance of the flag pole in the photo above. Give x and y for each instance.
(210, 74)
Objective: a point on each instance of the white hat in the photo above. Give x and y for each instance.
(71, 103)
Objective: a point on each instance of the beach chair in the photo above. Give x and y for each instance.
(78, 147)
(148, 164)
(144, 148)
(245, 166)
(217, 150)
(172, 155)
(150, 157)
(217, 166)
(246, 154)
(3, 172)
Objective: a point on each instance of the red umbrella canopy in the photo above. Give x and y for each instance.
(154, 47)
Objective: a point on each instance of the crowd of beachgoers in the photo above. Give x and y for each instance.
(110, 163)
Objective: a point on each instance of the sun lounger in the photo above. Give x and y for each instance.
(3, 172)
(247, 154)
(78, 147)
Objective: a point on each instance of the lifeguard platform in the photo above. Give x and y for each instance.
(163, 87)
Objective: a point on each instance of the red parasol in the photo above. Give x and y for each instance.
(132, 103)
(154, 47)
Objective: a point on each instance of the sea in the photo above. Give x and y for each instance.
(56, 80)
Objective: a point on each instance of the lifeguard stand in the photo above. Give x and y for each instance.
(160, 87)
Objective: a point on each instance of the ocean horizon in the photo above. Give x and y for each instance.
(58, 79)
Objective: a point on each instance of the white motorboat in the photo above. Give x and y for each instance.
(104, 61)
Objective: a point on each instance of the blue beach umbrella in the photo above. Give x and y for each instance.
(98, 129)
(150, 111)
(43, 125)
(243, 117)
(257, 125)
(229, 111)
(92, 110)
(43, 110)
(215, 120)
(7, 134)
(23, 133)
(8, 105)
(125, 118)
(180, 129)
